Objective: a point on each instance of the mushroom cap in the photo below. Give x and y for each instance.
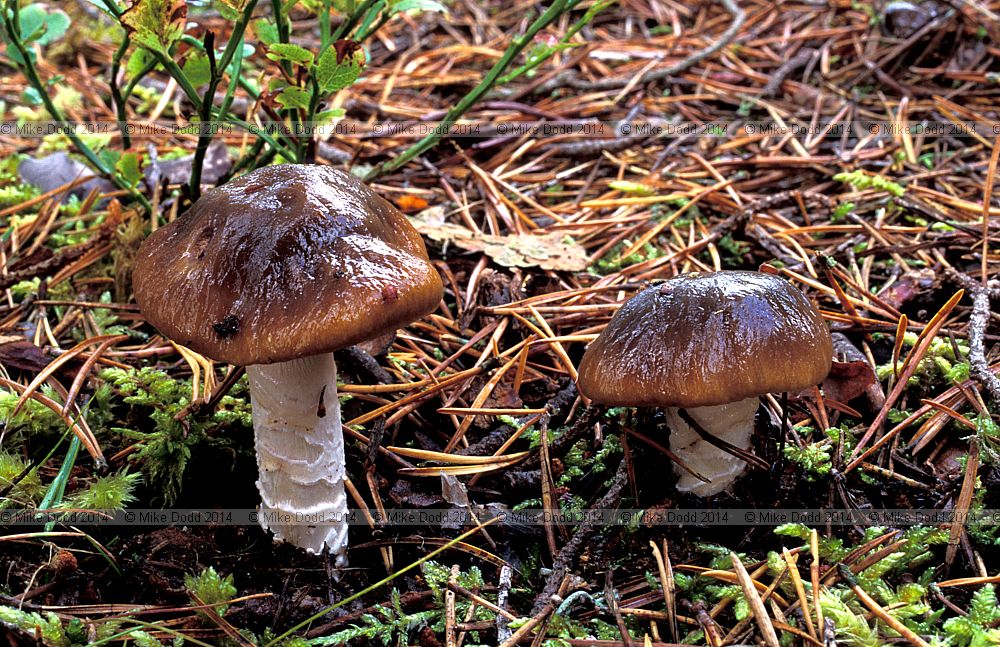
(706, 339)
(284, 262)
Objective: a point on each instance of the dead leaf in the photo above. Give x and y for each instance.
(910, 285)
(550, 251)
(59, 169)
(851, 375)
(178, 170)
(848, 380)
(17, 352)
(454, 491)
(403, 494)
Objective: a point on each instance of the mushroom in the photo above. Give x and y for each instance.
(274, 271)
(706, 346)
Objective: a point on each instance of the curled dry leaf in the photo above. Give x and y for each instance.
(851, 375)
(19, 353)
(848, 380)
(549, 251)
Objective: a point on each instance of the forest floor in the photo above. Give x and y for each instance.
(848, 147)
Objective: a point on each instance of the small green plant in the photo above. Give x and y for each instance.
(736, 251)
(841, 212)
(166, 448)
(392, 624)
(940, 360)
(851, 626)
(978, 629)
(48, 629)
(33, 415)
(386, 626)
(112, 492)
(153, 37)
(209, 587)
(27, 491)
(814, 458)
(613, 261)
(861, 181)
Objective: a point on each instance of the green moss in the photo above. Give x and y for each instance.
(165, 442)
(861, 181)
(613, 261)
(112, 492)
(208, 587)
(28, 491)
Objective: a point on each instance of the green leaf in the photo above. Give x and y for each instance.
(247, 51)
(416, 6)
(110, 157)
(41, 26)
(293, 97)
(329, 116)
(229, 9)
(56, 25)
(633, 188)
(290, 52)
(984, 608)
(197, 70)
(128, 168)
(31, 97)
(373, 12)
(14, 55)
(137, 62)
(31, 20)
(100, 5)
(266, 31)
(340, 65)
(156, 24)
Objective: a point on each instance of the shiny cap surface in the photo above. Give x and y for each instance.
(284, 262)
(706, 339)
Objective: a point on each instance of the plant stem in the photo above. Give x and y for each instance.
(31, 74)
(345, 28)
(592, 12)
(217, 71)
(515, 48)
(116, 94)
(324, 26)
(284, 36)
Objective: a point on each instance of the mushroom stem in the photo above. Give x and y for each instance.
(300, 453)
(732, 423)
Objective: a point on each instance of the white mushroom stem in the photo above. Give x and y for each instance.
(732, 423)
(300, 453)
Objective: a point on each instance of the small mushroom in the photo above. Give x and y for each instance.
(706, 346)
(274, 271)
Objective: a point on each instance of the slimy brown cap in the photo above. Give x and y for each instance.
(284, 262)
(707, 339)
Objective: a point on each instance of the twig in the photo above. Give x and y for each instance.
(560, 566)
(979, 320)
(503, 590)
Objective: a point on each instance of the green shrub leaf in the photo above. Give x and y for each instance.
(340, 65)
(290, 52)
(156, 24)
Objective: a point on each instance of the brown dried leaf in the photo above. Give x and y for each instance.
(549, 251)
(17, 352)
(848, 380)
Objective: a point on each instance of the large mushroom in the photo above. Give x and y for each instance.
(274, 271)
(705, 346)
